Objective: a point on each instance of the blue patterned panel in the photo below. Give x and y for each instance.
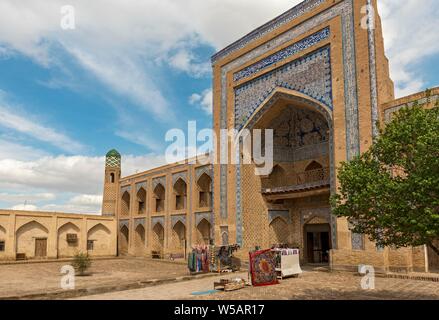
(138, 222)
(276, 23)
(283, 54)
(175, 219)
(273, 214)
(155, 220)
(310, 75)
(357, 241)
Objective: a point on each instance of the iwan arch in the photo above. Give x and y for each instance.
(317, 76)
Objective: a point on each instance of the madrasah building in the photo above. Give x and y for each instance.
(319, 77)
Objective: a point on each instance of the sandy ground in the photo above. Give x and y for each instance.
(309, 286)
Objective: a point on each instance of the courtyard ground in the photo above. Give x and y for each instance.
(18, 280)
(144, 279)
(310, 285)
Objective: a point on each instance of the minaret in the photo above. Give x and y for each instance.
(111, 182)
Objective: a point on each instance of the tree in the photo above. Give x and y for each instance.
(81, 262)
(391, 192)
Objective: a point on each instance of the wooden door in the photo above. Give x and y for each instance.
(40, 248)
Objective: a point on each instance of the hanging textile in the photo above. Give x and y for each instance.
(263, 268)
(198, 259)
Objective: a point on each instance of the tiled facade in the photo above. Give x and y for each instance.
(321, 81)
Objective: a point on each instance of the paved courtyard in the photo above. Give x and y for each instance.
(309, 286)
(34, 278)
(24, 279)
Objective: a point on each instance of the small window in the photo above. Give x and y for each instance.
(112, 178)
(90, 245)
(2, 246)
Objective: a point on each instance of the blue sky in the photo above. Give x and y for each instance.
(130, 71)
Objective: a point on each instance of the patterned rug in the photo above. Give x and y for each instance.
(263, 268)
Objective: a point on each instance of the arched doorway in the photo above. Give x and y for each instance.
(125, 205)
(139, 239)
(158, 239)
(204, 230)
(180, 191)
(124, 240)
(317, 243)
(141, 201)
(204, 184)
(302, 161)
(99, 241)
(32, 240)
(68, 240)
(179, 237)
(160, 197)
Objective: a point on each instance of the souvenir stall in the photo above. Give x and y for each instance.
(222, 259)
(263, 268)
(198, 259)
(287, 262)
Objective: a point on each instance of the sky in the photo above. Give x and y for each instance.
(130, 71)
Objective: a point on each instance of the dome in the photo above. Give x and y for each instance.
(113, 153)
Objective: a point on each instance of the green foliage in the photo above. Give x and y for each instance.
(391, 192)
(81, 262)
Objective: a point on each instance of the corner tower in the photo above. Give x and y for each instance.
(111, 182)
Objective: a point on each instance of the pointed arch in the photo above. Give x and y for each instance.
(279, 231)
(158, 238)
(141, 201)
(313, 165)
(31, 239)
(204, 184)
(204, 232)
(179, 236)
(126, 203)
(160, 197)
(180, 191)
(99, 240)
(68, 240)
(277, 178)
(139, 238)
(124, 240)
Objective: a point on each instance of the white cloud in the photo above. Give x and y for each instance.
(75, 174)
(28, 125)
(121, 42)
(409, 38)
(35, 197)
(25, 207)
(185, 60)
(203, 100)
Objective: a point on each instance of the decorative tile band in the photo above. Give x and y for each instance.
(179, 218)
(283, 54)
(140, 185)
(138, 222)
(124, 223)
(157, 181)
(125, 189)
(273, 214)
(388, 113)
(286, 17)
(372, 71)
(155, 220)
(179, 175)
(310, 75)
(205, 169)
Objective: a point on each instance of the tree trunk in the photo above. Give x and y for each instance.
(434, 248)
